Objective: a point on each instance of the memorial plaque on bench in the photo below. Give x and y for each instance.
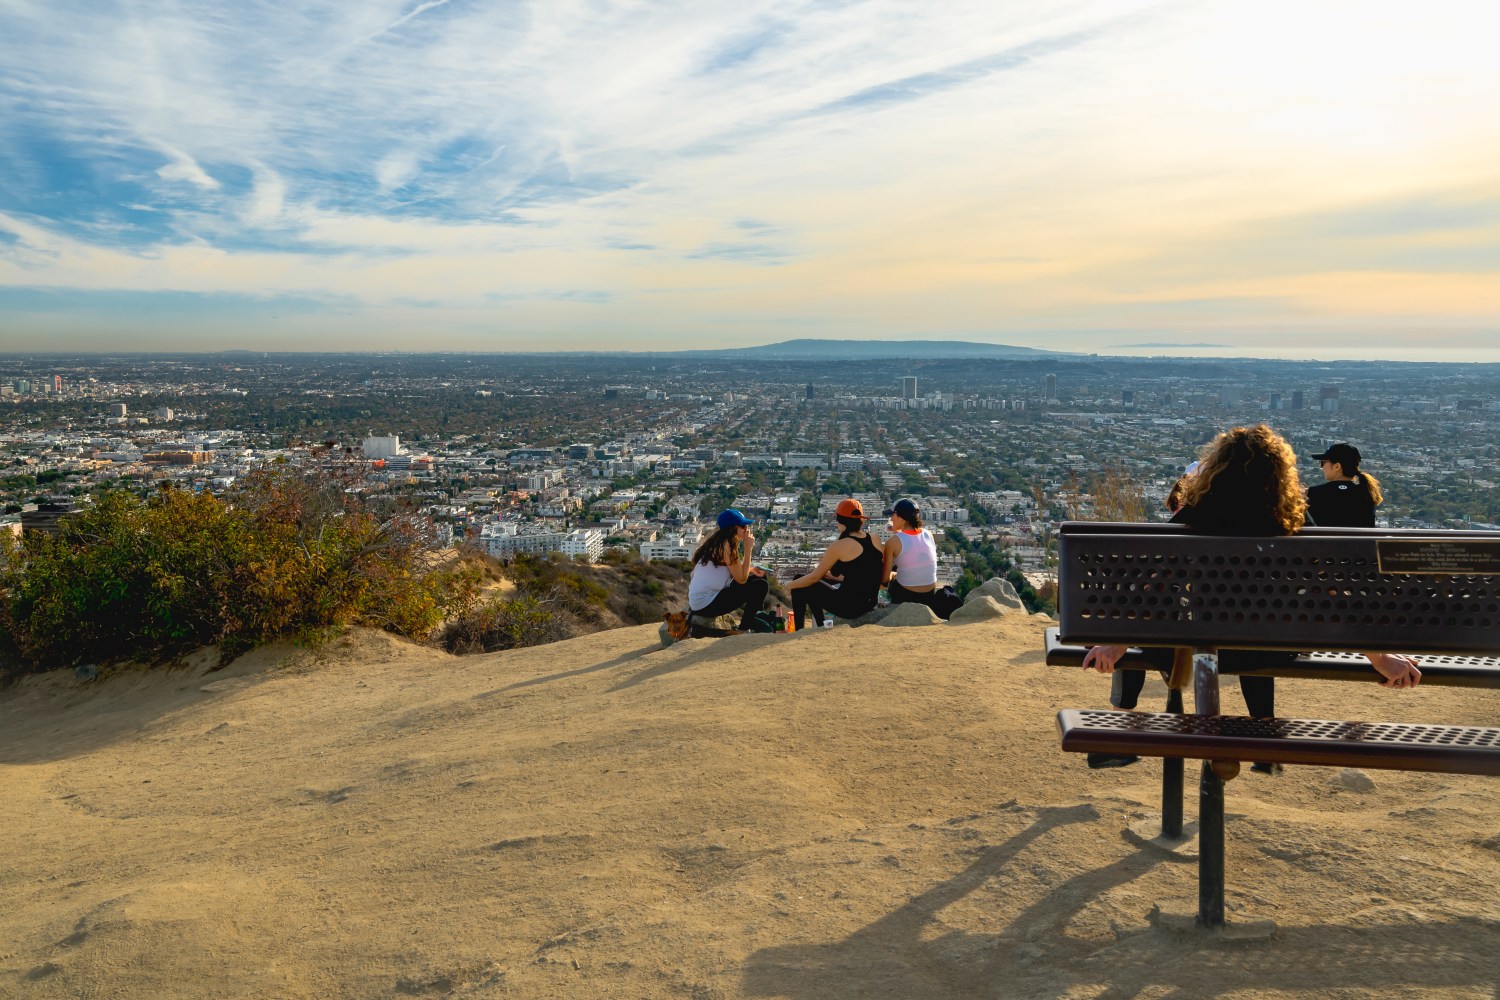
(1433, 556)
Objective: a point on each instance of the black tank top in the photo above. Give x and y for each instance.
(862, 573)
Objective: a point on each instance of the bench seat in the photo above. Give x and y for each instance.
(1443, 670)
(1379, 745)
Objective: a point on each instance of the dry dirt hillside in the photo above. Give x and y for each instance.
(873, 812)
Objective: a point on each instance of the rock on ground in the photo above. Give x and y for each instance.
(871, 617)
(998, 590)
(1355, 780)
(982, 610)
(902, 615)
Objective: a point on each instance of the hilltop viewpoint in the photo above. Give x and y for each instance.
(841, 813)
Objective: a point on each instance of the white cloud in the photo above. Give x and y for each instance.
(982, 165)
(266, 199)
(184, 168)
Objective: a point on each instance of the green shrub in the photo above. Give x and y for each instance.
(285, 556)
(500, 623)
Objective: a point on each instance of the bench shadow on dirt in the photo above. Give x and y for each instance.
(1035, 956)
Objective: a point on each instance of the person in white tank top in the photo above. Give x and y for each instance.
(910, 553)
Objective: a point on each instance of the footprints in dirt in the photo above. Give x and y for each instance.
(451, 982)
(332, 797)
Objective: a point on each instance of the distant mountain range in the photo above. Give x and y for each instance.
(834, 350)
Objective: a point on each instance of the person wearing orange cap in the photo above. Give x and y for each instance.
(846, 581)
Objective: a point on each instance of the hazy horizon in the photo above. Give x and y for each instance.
(1135, 178)
(1224, 352)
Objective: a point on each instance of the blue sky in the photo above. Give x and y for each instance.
(1281, 178)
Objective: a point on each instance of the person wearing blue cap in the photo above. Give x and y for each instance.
(723, 578)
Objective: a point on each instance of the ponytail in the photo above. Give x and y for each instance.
(849, 524)
(1372, 485)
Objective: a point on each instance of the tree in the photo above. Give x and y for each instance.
(1117, 495)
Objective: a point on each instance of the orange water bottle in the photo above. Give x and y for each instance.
(791, 623)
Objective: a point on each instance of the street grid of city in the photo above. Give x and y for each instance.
(574, 453)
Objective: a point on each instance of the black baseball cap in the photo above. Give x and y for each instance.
(904, 508)
(1345, 455)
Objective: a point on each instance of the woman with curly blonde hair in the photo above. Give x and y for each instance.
(1246, 484)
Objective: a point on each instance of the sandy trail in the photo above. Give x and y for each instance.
(850, 813)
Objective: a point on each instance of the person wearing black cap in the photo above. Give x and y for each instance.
(723, 579)
(910, 571)
(852, 563)
(1349, 497)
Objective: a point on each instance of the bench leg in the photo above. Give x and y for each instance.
(1171, 781)
(1210, 848)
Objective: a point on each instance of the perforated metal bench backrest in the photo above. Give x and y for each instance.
(1323, 588)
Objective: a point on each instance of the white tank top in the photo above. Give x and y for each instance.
(916, 563)
(705, 583)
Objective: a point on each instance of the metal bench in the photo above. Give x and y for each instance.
(1323, 665)
(1338, 590)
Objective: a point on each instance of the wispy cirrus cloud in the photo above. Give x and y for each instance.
(816, 167)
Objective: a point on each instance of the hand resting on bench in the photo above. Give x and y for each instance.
(1398, 669)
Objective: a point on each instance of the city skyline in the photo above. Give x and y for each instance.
(1229, 179)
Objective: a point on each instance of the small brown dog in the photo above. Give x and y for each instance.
(677, 624)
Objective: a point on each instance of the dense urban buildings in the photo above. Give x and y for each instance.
(579, 454)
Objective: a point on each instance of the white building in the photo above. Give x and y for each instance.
(679, 547)
(805, 460)
(382, 447)
(586, 542)
(545, 479)
(503, 541)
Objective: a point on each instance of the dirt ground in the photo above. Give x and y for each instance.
(873, 812)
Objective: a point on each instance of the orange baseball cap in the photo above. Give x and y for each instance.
(850, 508)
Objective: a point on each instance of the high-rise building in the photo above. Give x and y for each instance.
(1127, 396)
(1275, 400)
(57, 383)
(909, 387)
(118, 409)
(1328, 398)
(810, 390)
(382, 447)
(1298, 399)
(1051, 387)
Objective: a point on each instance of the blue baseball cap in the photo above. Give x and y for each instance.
(732, 518)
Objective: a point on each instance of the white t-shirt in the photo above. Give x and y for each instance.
(916, 563)
(705, 583)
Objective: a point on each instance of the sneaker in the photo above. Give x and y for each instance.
(1261, 767)
(1101, 760)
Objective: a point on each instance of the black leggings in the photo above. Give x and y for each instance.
(750, 595)
(942, 600)
(900, 595)
(1259, 692)
(819, 597)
